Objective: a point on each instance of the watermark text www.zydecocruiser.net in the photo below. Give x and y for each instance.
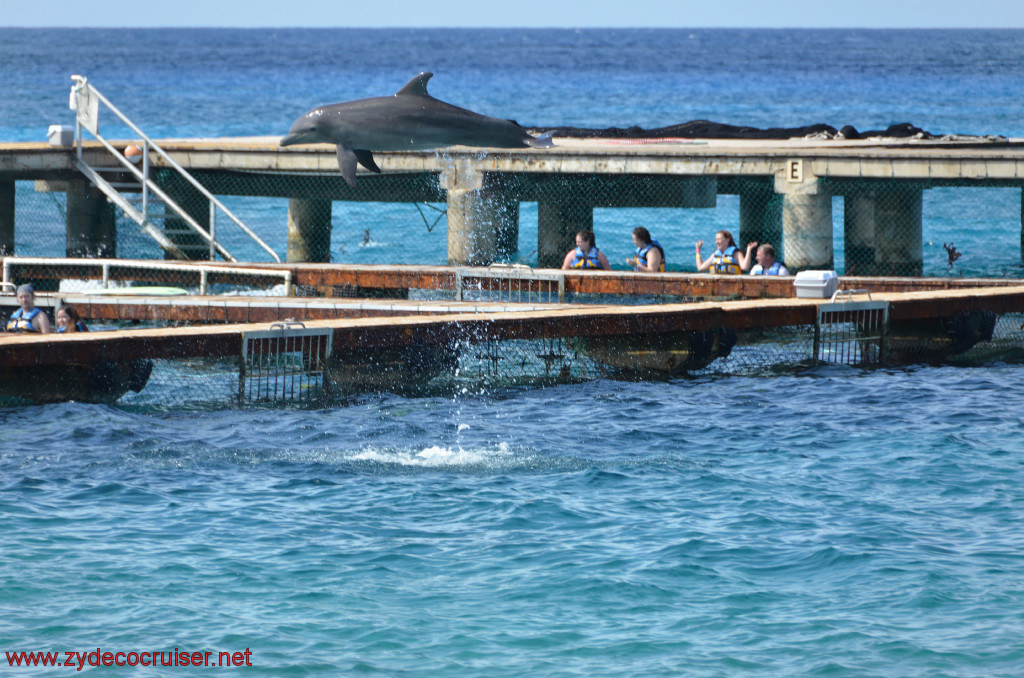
(98, 657)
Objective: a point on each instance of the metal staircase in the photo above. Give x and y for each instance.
(136, 194)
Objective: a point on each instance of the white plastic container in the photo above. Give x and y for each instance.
(61, 135)
(816, 284)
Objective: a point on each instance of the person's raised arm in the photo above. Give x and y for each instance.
(703, 264)
(745, 260)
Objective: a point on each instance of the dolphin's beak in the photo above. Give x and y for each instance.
(291, 140)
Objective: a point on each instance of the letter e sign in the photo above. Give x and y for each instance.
(795, 171)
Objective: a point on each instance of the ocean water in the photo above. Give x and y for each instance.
(196, 83)
(821, 522)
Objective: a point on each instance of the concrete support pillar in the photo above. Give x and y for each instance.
(559, 218)
(761, 218)
(506, 209)
(483, 219)
(807, 231)
(1021, 226)
(91, 223)
(309, 230)
(197, 205)
(806, 218)
(6, 218)
(882, 230)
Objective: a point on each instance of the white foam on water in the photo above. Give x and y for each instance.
(441, 456)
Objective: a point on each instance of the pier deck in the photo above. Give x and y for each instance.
(883, 181)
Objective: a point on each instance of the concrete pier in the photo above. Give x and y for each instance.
(560, 216)
(807, 228)
(483, 219)
(761, 217)
(785, 187)
(882, 232)
(196, 205)
(309, 230)
(7, 218)
(91, 223)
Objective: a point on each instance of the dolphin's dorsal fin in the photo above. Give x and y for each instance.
(417, 87)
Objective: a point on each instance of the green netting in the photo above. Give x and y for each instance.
(857, 227)
(470, 366)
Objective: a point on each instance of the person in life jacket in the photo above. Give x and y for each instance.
(28, 318)
(767, 264)
(586, 256)
(727, 259)
(650, 255)
(68, 320)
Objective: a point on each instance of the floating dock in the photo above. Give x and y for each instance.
(346, 345)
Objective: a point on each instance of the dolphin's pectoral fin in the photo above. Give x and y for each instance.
(365, 159)
(543, 141)
(347, 164)
(417, 87)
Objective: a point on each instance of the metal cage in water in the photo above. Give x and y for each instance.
(286, 363)
(851, 332)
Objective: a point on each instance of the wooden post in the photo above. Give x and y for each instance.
(309, 230)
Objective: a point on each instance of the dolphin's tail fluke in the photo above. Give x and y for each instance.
(545, 140)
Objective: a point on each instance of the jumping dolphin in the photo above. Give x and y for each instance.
(410, 119)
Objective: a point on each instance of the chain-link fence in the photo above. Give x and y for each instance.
(856, 227)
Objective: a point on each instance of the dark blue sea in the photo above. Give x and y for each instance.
(828, 521)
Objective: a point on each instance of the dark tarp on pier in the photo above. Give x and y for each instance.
(705, 129)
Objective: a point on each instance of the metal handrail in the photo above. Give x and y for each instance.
(143, 176)
(105, 265)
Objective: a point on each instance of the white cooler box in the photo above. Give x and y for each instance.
(61, 135)
(816, 284)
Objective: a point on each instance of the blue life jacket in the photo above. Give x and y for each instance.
(588, 260)
(727, 262)
(641, 256)
(22, 322)
(771, 270)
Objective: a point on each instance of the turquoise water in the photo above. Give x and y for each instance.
(822, 522)
(834, 522)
